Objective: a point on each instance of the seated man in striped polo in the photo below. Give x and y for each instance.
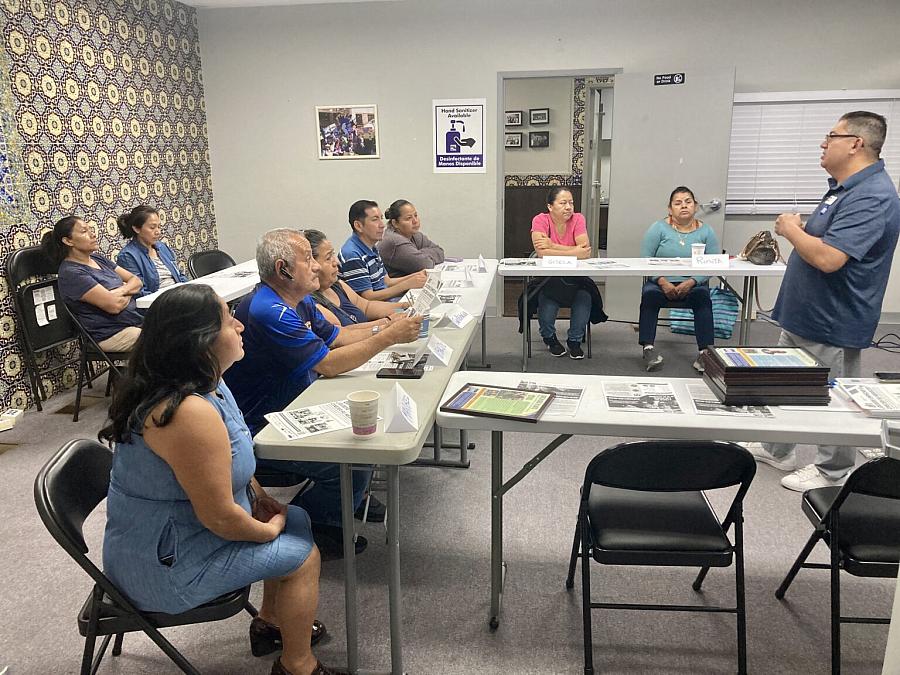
(361, 266)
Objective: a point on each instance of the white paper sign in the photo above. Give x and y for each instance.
(51, 312)
(459, 135)
(567, 261)
(482, 265)
(716, 261)
(440, 349)
(40, 315)
(400, 414)
(458, 316)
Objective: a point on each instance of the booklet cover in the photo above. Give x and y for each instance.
(501, 402)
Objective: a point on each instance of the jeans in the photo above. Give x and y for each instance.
(580, 315)
(653, 299)
(323, 500)
(833, 461)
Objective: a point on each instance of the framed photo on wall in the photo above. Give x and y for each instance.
(539, 116)
(538, 139)
(514, 118)
(512, 139)
(347, 131)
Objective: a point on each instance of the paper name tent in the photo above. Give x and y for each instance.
(400, 413)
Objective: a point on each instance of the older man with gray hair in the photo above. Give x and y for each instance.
(287, 345)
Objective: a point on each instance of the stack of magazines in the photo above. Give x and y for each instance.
(874, 398)
(765, 376)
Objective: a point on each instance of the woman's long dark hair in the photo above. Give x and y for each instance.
(52, 243)
(171, 360)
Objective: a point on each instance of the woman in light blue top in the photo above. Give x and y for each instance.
(672, 237)
(186, 520)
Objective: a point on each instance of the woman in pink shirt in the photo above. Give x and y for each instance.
(561, 231)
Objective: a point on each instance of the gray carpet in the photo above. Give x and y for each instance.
(445, 552)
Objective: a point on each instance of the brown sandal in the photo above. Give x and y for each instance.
(265, 637)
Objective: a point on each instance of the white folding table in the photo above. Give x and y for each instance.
(230, 283)
(595, 418)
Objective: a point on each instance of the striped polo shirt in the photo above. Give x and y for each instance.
(361, 266)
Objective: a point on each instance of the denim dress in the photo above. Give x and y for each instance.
(157, 551)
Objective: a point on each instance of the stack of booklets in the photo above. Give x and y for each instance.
(874, 398)
(765, 376)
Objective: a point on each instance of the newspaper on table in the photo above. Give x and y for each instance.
(644, 396)
(706, 403)
(389, 359)
(876, 399)
(311, 421)
(527, 262)
(566, 401)
(605, 263)
(669, 261)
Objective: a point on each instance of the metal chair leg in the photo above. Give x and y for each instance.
(586, 596)
(798, 563)
(739, 593)
(573, 559)
(835, 595)
(117, 645)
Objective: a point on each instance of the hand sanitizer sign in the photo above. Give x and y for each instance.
(459, 142)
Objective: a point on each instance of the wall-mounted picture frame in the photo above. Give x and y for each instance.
(514, 118)
(538, 139)
(347, 131)
(512, 139)
(539, 116)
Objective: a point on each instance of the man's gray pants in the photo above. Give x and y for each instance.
(833, 461)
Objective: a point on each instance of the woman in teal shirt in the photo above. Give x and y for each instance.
(672, 237)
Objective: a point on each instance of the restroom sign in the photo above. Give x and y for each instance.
(459, 140)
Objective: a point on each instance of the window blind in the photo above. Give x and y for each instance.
(773, 164)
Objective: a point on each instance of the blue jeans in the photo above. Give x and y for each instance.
(580, 315)
(323, 500)
(653, 299)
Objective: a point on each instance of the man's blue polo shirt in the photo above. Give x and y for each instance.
(860, 217)
(361, 266)
(282, 344)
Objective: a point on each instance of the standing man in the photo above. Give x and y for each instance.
(287, 345)
(830, 299)
(361, 266)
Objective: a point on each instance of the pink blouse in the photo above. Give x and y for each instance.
(574, 227)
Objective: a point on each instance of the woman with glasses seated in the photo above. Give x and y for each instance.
(339, 303)
(186, 520)
(99, 293)
(145, 256)
(672, 237)
(404, 249)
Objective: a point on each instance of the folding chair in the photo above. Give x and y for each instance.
(642, 503)
(67, 489)
(860, 524)
(206, 262)
(43, 326)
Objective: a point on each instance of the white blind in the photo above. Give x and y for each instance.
(773, 165)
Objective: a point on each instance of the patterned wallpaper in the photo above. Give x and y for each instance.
(101, 109)
(578, 116)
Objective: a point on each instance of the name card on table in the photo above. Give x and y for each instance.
(440, 349)
(400, 413)
(717, 261)
(559, 261)
(482, 265)
(458, 316)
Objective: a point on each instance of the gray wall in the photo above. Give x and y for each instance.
(265, 69)
(541, 92)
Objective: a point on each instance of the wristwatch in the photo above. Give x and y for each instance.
(375, 330)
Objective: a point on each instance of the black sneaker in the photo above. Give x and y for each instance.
(330, 540)
(555, 346)
(376, 511)
(575, 351)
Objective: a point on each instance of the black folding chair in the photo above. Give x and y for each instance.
(206, 262)
(43, 325)
(67, 489)
(642, 503)
(860, 524)
(91, 353)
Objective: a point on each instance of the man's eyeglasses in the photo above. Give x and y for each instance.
(832, 135)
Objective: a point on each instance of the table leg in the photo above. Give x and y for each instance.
(496, 526)
(350, 567)
(525, 322)
(747, 309)
(394, 579)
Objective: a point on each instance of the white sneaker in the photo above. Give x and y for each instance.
(652, 358)
(871, 453)
(696, 365)
(760, 454)
(809, 478)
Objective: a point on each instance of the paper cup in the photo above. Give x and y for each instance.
(698, 249)
(363, 412)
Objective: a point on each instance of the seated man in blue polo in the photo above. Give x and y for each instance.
(287, 345)
(361, 266)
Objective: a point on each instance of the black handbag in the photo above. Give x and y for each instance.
(762, 249)
(561, 290)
